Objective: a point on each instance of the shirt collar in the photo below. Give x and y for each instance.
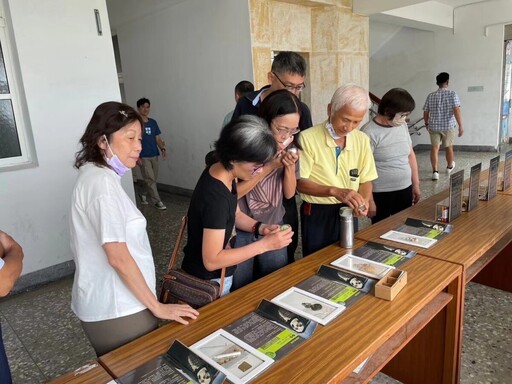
(257, 100)
(331, 143)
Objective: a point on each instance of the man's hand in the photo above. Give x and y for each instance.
(353, 199)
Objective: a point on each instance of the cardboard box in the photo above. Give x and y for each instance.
(392, 283)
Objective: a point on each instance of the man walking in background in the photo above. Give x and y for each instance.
(440, 112)
(152, 146)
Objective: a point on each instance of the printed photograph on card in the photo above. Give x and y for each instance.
(238, 360)
(360, 282)
(311, 306)
(301, 325)
(192, 366)
(385, 254)
(331, 289)
(362, 266)
(407, 238)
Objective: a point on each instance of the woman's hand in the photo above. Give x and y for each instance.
(289, 159)
(275, 237)
(416, 194)
(175, 312)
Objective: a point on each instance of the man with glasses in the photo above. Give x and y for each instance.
(288, 72)
(336, 169)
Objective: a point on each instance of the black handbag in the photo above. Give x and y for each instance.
(180, 287)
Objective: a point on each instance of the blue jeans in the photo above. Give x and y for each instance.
(258, 266)
(228, 282)
(5, 372)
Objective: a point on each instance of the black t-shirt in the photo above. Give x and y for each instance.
(212, 206)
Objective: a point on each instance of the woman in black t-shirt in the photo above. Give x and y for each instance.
(243, 148)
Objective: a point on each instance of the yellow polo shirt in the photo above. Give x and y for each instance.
(354, 164)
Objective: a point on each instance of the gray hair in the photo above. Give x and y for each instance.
(247, 138)
(350, 95)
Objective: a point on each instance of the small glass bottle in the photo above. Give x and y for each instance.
(346, 227)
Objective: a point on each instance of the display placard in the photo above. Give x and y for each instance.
(507, 169)
(456, 189)
(493, 178)
(474, 183)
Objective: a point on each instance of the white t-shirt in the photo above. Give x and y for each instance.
(102, 212)
(2, 262)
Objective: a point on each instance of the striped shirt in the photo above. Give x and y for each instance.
(440, 105)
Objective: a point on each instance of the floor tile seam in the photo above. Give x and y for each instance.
(22, 343)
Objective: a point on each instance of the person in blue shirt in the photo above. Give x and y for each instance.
(152, 147)
(11, 263)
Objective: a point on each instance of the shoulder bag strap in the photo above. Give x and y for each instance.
(177, 249)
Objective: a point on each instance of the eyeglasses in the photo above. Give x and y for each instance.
(291, 88)
(284, 131)
(257, 168)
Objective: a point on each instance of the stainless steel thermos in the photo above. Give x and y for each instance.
(346, 227)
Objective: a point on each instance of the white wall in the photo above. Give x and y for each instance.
(67, 70)
(186, 58)
(403, 60)
(471, 58)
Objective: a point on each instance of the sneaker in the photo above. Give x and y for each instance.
(450, 169)
(160, 206)
(435, 175)
(143, 199)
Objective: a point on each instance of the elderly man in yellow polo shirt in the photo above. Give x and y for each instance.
(336, 169)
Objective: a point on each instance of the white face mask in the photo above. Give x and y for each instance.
(331, 131)
(287, 142)
(399, 119)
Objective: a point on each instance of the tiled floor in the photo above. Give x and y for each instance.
(44, 339)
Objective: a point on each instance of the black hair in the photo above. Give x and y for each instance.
(246, 138)
(442, 78)
(244, 87)
(143, 101)
(107, 118)
(280, 103)
(289, 62)
(394, 101)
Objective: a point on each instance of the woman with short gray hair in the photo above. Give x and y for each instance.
(243, 148)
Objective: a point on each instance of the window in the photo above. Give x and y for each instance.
(16, 150)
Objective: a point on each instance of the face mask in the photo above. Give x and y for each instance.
(399, 120)
(114, 161)
(287, 142)
(331, 131)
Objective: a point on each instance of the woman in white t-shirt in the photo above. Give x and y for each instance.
(398, 184)
(114, 287)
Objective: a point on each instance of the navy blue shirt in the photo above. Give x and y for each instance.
(149, 133)
(245, 106)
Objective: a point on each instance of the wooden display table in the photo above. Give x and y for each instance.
(423, 321)
(90, 373)
(482, 233)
